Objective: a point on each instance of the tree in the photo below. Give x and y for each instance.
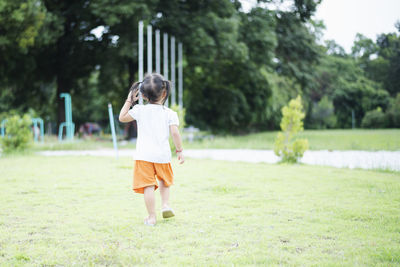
(230, 57)
(232, 94)
(384, 67)
(359, 97)
(20, 25)
(286, 147)
(334, 48)
(297, 50)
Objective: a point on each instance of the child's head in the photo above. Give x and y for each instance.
(153, 88)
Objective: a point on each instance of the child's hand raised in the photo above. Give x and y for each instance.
(133, 95)
(180, 157)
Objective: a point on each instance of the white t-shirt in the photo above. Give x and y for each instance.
(153, 123)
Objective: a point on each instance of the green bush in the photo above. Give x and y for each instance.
(322, 114)
(375, 119)
(289, 149)
(393, 112)
(18, 134)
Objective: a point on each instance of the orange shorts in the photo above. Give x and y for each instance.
(145, 174)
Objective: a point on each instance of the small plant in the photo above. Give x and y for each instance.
(18, 134)
(289, 149)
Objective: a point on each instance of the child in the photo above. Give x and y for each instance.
(153, 154)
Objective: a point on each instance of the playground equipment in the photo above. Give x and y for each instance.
(3, 124)
(35, 122)
(158, 61)
(114, 137)
(68, 124)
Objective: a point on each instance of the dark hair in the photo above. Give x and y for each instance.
(152, 87)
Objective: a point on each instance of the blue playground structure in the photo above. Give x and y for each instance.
(35, 122)
(3, 124)
(68, 124)
(112, 126)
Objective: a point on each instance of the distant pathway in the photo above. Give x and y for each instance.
(342, 159)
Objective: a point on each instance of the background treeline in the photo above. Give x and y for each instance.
(239, 70)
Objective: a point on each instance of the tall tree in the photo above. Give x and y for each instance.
(20, 24)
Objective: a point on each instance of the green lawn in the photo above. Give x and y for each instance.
(63, 211)
(52, 143)
(388, 139)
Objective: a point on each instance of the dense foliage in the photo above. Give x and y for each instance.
(240, 68)
(18, 134)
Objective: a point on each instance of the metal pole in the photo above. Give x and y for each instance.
(3, 126)
(149, 50)
(114, 137)
(67, 120)
(71, 128)
(35, 135)
(140, 58)
(41, 130)
(165, 61)
(69, 125)
(180, 76)
(353, 119)
(173, 98)
(158, 67)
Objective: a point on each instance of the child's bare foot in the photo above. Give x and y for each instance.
(150, 221)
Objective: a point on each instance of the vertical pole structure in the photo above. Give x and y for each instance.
(41, 130)
(3, 126)
(353, 119)
(68, 124)
(158, 67)
(165, 61)
(140, 58)
(67, 119)
(114, 137)
(180, 76)
(35, 135)
(173, 97)
(149, 50)
(69, 113)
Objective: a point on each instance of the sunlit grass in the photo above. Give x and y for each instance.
(81, 210)
(388, 139)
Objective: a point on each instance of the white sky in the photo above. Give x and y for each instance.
(343, 19)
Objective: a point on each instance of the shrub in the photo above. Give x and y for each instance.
(290, 149)
(393, 112)
(374, 119)
(322, 115)
(18, 134)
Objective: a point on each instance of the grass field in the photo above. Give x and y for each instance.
(64, 211)
(387, 139)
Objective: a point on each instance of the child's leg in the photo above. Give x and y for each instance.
(164, 192)
(150, 203)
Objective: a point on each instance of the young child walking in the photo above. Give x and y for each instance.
(155, 123)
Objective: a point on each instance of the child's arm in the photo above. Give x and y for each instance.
(176, 138)
(123, 114)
